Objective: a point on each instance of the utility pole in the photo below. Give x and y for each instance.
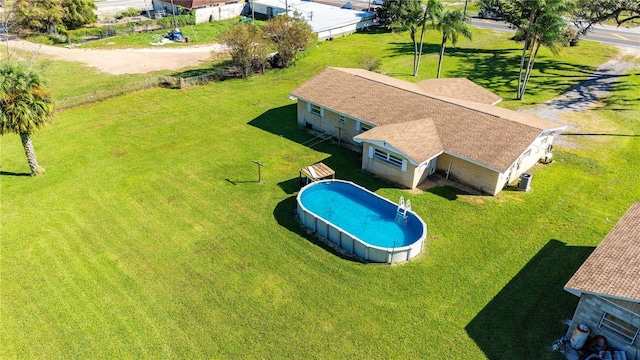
(173, 12)
(253, 14)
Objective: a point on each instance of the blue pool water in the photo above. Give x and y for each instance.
(362, 214)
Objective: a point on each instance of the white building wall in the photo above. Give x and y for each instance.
(222, 12)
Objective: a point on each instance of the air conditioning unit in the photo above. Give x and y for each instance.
(525, 182)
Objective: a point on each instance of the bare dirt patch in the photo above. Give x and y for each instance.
(127, 61)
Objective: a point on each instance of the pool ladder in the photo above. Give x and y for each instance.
(401, 212)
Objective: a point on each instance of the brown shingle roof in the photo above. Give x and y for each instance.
(192, 4)
(459, 88)
(425, 142)
(483, 133)
(613, 269)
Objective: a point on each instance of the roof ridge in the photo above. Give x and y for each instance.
(466, 104)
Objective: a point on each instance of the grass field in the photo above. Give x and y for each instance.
(148, 235)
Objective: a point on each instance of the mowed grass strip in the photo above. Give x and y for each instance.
(148, 235)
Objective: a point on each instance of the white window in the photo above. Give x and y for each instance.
(388, 158)
(315, 109)
(616, 326)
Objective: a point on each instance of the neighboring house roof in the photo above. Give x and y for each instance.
(459, 88)
(489, 135)
(613, 269)
(192, 4)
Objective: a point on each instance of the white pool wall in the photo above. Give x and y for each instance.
(353, 244)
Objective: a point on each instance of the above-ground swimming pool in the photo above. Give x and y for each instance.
(361, 221)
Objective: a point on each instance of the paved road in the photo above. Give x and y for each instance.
(607, 35)
(612, 36)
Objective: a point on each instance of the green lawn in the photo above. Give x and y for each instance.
(198, 34)
(148, 236)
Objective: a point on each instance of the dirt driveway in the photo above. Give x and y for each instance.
(126, 61)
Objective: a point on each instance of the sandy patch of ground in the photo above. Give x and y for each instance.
(127, 61)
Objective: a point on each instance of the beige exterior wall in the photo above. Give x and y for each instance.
(328, 123)
(590, 310)
(388, 171)
(482, 178)
(471, 174)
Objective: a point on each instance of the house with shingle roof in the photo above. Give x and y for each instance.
(203, 10)
(608, 285)
(410, 130)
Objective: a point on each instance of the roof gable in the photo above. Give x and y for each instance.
(425, 142)
(613, 269)
(484, 133)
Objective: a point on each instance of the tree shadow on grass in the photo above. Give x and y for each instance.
(526, 316)
(497, 69)
(212, 69)
(286, 215)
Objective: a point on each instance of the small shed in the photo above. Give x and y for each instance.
(315, 172)
(608, 287)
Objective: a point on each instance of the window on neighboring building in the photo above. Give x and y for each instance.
(386, 157)
(315, 109)
(613, 324)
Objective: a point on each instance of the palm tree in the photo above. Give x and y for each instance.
(545, 27)
(432, 11)
(25, 106)
(451, 25)
(403, 15)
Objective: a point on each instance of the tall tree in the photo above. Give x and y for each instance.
(538, 23)
(25, 106)
(52, 15)
(546, 26)
(451, 25)
(248, 45)
(39, 15)
(403, 15)
(432, 11)
(77, 13)
(290, 34)
(590, 12)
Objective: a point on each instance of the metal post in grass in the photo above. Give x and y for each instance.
(253, 14)
(257, 162)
